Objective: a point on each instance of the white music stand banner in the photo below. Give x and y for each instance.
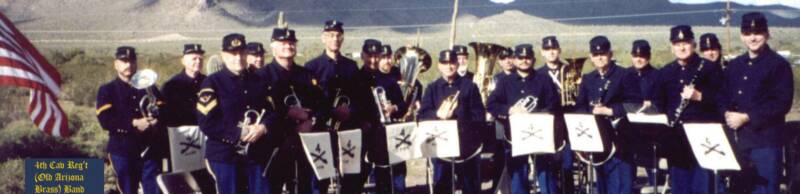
(584, 135)
(350, 151)
(710, 146)
(400, 142)
(438, 139)
(187, 146)
(317, 147)
(532, 134)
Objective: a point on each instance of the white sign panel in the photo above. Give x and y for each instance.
(399, 142)
(647, 118)
(531, 133)
(317, 147)
(350, 151)
(187, 146)
(710, 146)
(437, 139)
(584, 135)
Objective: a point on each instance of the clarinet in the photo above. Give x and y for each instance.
(685, 102)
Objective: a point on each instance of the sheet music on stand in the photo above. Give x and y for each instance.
(648, 115)
(710, 146)
(584, 134)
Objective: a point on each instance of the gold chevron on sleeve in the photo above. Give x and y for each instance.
(102, 108)
(206, 107)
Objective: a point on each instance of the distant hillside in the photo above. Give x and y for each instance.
(226, 14)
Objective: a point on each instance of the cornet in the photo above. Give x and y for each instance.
(528, 103)
(339, 100)
(242, 147)
(145, 79)
(292, 100)
(448, 106)
(380, 99)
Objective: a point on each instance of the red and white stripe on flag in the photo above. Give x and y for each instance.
(21, 65)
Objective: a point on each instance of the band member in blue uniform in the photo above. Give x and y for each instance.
(551, 52)
(180, 92)
(469, 113)
(756, 95)
(711, 49)
(501, 103)
(393, 108)
(462, 58)
(602, 93)
(692, 81)
(506, 62)
(255, 56)
(646, 76)
(236, 147)
(337, 76)
(133, 142)
(299, 106)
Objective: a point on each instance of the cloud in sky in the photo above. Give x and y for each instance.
(790, 3)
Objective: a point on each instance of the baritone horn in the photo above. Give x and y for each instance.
(339, 101)
(412, 60)
(292, 100)
(570, 80)
(145, 79)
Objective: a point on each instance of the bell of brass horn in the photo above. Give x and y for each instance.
(570, 79)
(145, 79)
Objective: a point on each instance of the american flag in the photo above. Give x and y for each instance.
(21, 65)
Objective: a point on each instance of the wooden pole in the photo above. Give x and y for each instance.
(453, 24)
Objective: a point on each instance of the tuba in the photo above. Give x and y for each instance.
(449, 104)
(380, 99)
(145, 79)
(487, 56)
(570, 80)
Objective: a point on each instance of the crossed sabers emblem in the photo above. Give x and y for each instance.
(711, 148)
(582, 130)
(432, 137)
(191, 142)
(348, 149)
(532, 132)
(403, 139)
(319, 154)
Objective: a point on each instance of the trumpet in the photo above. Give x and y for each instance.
(449, 104)
(145, 79)
(242, 147)
(379, 93)
(528, 103)
(339, 100)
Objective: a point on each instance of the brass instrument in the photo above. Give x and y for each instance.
(145, 79)
(243, 147)
(379, 93)
(292, 100)
(528, 103)
(570, 79)
(487, 55)
(338, 101)
(412, 60)
(449, 104)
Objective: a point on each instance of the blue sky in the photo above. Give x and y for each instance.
(790, 3)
